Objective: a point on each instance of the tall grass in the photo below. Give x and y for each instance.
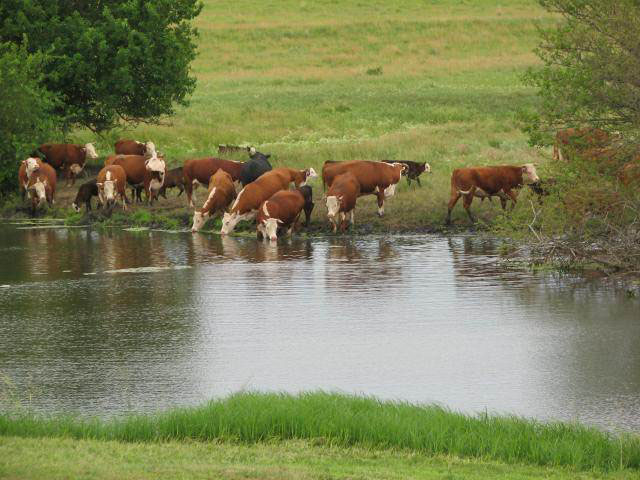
(342, 420)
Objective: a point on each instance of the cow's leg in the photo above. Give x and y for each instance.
(408, 181)
(352, 222)
(455, 196)
(181, 189)
(466, 203)
(418, 180)
(123, 197)
(514, 198)
(380, 195)
(163, 192)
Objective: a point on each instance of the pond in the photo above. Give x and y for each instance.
(108, 322)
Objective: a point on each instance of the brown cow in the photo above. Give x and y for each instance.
(251, 197)
(282, 211)
(375, 178)
(139, 174)
(577, 140)
(111, 183)
(27, 167)
(222, 191)
(341, 199)
(173, 179)
(198, 172)
(487, 182)
(42, 186)
(132, 147)
(68, 157)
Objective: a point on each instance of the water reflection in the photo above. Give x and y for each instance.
(115, 321)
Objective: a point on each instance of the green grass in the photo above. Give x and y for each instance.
(426, 81)
(345, 421)
(54, 458)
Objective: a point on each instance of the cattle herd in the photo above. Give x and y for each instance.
(244, 191)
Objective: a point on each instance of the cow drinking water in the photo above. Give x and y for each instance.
(282, 211)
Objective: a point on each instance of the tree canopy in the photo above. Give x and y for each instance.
(108, 61)
(591, 66)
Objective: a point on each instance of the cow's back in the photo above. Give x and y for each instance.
(201, 169)
(284, 205)
(130, 147)
(260, 190)
(133, 167)
(370, 175)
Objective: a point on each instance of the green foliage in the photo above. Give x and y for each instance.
(25, 111)
(353, 421)
(120, 60)
(591, 60)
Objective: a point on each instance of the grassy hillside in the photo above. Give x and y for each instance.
(435, 81)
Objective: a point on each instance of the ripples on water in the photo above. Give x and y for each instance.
(136, 321)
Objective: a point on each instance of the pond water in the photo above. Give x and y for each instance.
(112, 322)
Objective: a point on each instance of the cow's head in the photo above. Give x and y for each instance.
(109, 188)
(256, 155)
(199, 219)
(270, 228)
(425, 168)
(76, 168)
(229, 222)
(333, 206)
(91, 151)
(31, 165)
(40, 188)
(529, 174)
(306, 175)
(150, 149)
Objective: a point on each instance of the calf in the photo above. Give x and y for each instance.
(572, 140)
(27, 167)
(375, 178)
(221, 193)
(257, 165)
(251, 197)
(199, 171)
(173, 179)
(111, 183)
(414, 169)
(68, 157)
(42, 186)
(487, 182)
(85, 192)
(282, 211)
(341, 200)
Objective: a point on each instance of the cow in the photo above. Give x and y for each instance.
(414, 169)
(282, 211)
(130, 147)
(481, 182)
(42, 186)
(257, 165)
(198, 172)
(222, 191)
(577, 140)
(630, 173)
(341, 199)
(27, 167)
(86, 191)
(173, 179)
(251, 197)
(68, 157)
(111, 183)
(140, 172)
(375, 178)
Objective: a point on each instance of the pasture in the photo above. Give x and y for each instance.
(312, 81)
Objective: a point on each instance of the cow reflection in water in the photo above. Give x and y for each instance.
(362, 264)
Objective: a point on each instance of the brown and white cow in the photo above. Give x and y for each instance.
(341, 200)
(42, 185)
(577, 140)
(222, 191)
(481, 182)
(111, 183)
(282, 211)
(251, 197)
(375, 178)
(134, 147)
(27, 167)
(139, 174)
(68, 157)
(198, 172)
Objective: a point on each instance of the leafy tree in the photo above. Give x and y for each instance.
(26, 111)
(591, 66)
(109, 61)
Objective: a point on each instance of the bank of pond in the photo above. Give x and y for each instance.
(347, 421)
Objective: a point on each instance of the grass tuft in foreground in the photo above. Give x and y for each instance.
(340, 420)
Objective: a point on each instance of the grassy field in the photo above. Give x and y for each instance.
(434, 81)
(59, 458)
(345, 421)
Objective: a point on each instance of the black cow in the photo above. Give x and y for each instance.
(307, 193)
(414, 169)
(85, 192)
(173, 179)
(256, 166)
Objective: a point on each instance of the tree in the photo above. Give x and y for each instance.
(121, 60)
(591, 66)
(26, 111)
